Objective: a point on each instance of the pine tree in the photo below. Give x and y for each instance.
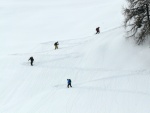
(137, 20)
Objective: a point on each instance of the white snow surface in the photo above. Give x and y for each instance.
(109, 73)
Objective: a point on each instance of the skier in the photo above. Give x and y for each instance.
(31, 59)
(69, 83)
(97, 30)
(56, 45)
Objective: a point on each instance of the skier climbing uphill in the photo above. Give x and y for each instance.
(69, 83)
(31, 59)
(97, 30)
(56, 45)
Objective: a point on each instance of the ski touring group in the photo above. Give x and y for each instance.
(31, 59)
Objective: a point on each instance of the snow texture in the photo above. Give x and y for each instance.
(109, 73)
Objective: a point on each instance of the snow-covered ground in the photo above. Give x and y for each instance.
(109, 73)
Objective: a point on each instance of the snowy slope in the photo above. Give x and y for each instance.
(25, 23)
(109, 73)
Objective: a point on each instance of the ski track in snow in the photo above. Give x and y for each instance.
(109, 74)
(64, 63)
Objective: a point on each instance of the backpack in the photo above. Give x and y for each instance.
(56, 43)
(69, 80)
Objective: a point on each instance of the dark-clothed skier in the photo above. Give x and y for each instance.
(56, 45)
(97, 30)
(69, 83)
(31, 59)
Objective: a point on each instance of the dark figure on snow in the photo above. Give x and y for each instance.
(31, 59)
(56, 45)
(69, 83)
(97, 30)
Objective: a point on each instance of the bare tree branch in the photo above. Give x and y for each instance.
(136, 21)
